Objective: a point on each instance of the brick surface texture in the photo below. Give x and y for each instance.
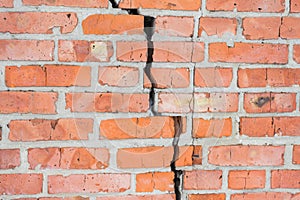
(150, 99)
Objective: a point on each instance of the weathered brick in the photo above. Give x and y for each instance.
(107, 102)
(118, 76)
(246, 5)
(104, 24)
(174, 26)
(290, 28)
(242, 180)
(68, 158)
(18, 50)
(168, 78)
(165, 4)
(7, 3)
(249, 53)
(285, 179)
(212, 128)
(295, 6)
(296, 154)
(213, 77)
(84, 51)
(9, 158)
(206, 196)
(140, 197)
(256, 28)
(252, 77)
(296, 53)
(25, 184)
(88, 183)
(28, 102)
(266, 196)
(202, 180)
(217, 26)
(175, 102)
(246, 155)
(37, 22)
(43, 130)
(148, 182)
(79, 3)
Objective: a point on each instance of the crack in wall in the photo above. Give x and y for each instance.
(149, 27)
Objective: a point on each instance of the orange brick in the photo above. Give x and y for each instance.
(296, 154)
(90, 3)
(37, 22)
(91, 183)
(296, 53)
(18, 50)
(7, 3)
(148, 182)
(279, 77)
(246, 155)
(68, 158)
(9, 158)
(269, 102)
(26, 184)
(265, 196)
(153, 157)
(166, 4)
(217, 26)
(202, 180)
(252, 77)
(43, 130)
(168, 78)
(285, 179)
(212, 128)
(241, 180)
(149, 127)
(206, 197)
(256, 28)
(249, 53)
(105, 24)
(246, 5)
(28, 102)
(118, 76)
(84, 51)
(107, 102)
(295, 6)
(174, 26)
(213, 77)
(140, 197)
(290, 28)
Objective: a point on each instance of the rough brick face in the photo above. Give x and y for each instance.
(212, 77)
(149, 182)
(241, 180)
(174, 26)
(211, 128)
(80, 3)
(296, 154)
(9, 158)
(203, 179)
(285, 179)
(217, 26)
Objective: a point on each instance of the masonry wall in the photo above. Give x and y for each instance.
(150, 100)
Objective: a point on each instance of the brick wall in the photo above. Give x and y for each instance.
(150, 100)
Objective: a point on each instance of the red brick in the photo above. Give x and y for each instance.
(206, 197)
(296, 53)
(256, 28)
(68, 158)
(269, 102)
(84, 51)
(296, 154)
(217, 26)
(212, 128)
(174, 26)
(265, 196)
(168, 78)
(18, 50)
(9, 158)
(295, 6)
(165, 4)
(241, 180)
(56, 198)
(290, 28)
(283, 77)
(252, 77)
(49, 75)
(163, 51)
(213, 77)
(246, 155)
(175, 102)
(153, 157)
(37, 22)
(246, 5)
(101, 24)
(202, 180)
(144, 197)
(90, 3)
(126, 128)
(249, 53)
(13, 184)
(107, 102)
(7, 3)
(28, 102)
(118, 76)
(88, 183)
(148, 182)
(285, 179)
(43, 130)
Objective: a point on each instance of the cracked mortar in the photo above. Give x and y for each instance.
(149, 31)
